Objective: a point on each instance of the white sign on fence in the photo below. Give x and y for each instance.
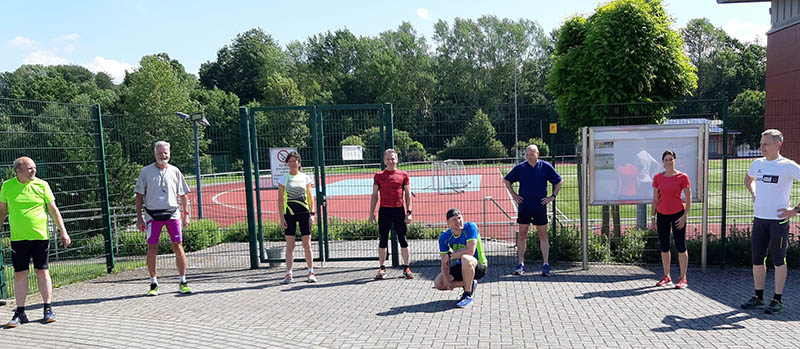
(352, 152)
(277, 163)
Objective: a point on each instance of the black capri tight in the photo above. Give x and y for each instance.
(665, 222)
(772, 235)
(388, 216)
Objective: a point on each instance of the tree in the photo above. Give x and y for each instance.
(244, 66)
(477, 142)
(624, 53)
(151, 96)
(746, 115)
(407, 148)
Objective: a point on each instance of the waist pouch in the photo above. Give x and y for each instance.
(161, 215)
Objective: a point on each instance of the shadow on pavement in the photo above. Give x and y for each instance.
(724, 321)
(430, 307)
(622, 293)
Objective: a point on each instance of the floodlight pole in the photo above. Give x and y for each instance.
(516, 117)
(197, 172)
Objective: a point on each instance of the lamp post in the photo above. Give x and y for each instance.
(196, 118)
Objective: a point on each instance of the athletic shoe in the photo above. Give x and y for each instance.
(408, 274)
(774, 307)
(465, 301)
(49, 316)
(312, 277)
(153, 290)
(519, 269)
(545, 269)
(18, 319)
(665, 281)
(474, 286)
(381, 274)
(184, 288)
(682, 283)
(753, 303)
(287, 279)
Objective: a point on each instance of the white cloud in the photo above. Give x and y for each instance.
(746, 31)
(44, 57)
(69, 48)
(22, 42)
(114, 68)
(68, 37)
(424, 13)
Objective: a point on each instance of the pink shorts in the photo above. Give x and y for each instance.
(154, 230)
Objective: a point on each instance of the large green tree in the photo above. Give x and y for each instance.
(624, 53)
(244, 66)
(746, 115)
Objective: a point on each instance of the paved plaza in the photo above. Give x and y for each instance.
(607, 306)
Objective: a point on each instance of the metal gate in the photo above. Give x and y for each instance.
(342, 184)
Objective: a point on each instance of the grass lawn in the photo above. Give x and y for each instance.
(65, 273)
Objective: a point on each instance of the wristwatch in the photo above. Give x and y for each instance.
(408, 212)
(449, 255)
(312, 213)
(797, 209)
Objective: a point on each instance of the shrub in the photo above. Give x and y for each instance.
(631, 248)
(566, 246)
(422, 231)
(236, 232)
(200, 234)
(91, 247)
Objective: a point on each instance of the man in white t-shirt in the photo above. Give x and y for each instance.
(160, 192)
(769, 180)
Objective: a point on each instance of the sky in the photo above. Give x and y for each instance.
(112, 36)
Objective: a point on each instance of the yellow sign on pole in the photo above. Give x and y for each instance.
(553, 128)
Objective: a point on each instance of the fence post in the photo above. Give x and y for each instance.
(320, 199)
(108, 233)
(553, 155)
(248, 185)
(321, 146)
(724, 206)
(257, 171)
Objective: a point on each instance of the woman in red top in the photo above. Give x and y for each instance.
(670, 212)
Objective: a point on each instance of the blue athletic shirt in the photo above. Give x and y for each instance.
(533, 183)
(447, 241)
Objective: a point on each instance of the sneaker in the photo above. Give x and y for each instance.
(312, 277)
(545, 269)
(519, 269)
(753, 303)
(49, 316)
(184, 288)
(18, 319)
(287, 279)
(665, 281)
(465, 301)
(774, 307)
(682, 283)
(153, 290)
(381, 274)
(408, 274)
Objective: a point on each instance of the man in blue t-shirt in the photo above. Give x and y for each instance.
(532, 200)
(461, 243)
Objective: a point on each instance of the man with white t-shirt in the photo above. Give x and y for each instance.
(769, 180)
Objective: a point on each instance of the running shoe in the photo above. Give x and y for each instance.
(519, 269)
(665, 281)
(312, 277)
(381, 274)
(465, 301)
(49, 316)
(753, 303)
(18, 319)
(682, 283)
(774, 307)
(545, 269)
(184, 288)
(287, 279)
(408, 274)
(153, 290)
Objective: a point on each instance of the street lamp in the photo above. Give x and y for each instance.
(196, 118)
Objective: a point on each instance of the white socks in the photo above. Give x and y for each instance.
(154, 280)
(182, 279)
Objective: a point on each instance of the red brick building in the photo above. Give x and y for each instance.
(783, 72)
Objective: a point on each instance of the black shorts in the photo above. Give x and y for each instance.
(772, 235)
(535, 218)
(22, 252)
(292, 220)
(480, 271)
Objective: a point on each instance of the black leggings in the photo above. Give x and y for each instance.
(665, 222)
(293, 220)
(388, 216)
(772, 235)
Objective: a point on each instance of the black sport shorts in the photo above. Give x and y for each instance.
(22, 252)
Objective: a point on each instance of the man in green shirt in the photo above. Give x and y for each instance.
(27, 200)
